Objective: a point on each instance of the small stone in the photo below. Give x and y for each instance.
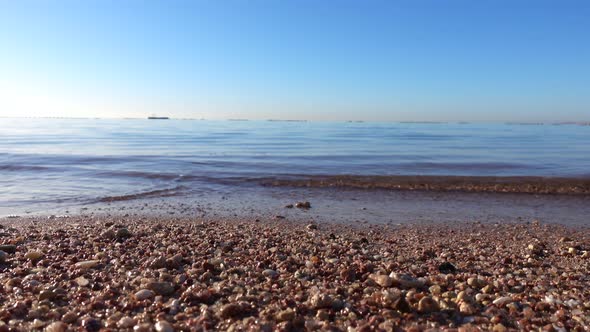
(447, 268)
(126, 322)
(502, 301)
(467, 309)
(427, 304)
(158, 263)
(303, 205)
(476, 283)
(285, 315)
(234, 310)
(144, 294)
(8, 248)
(164, 326)
(383, 280)
(405, 281)
(69, 317)
(144, 327)
(402, 305)
(34, 255)
(499, 328)
(270, 273)
(86, 264)
(56, 327)
(435, 289)
(46, 295)
(91, 324)
(572, 250)
(108, 234)
(319, 301)
(311, 227)
(3, 256)
(322, 315)
(161, 288)
(82, 282)
(289, 206)
(123, 233)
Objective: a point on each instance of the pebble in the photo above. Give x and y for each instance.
(144, 327)
(405, 281)
(82, 282)
(233, 310)
(8, 248)
(123, 233)
(467, 308)
(163, 326)
(311, 227)
(91, 324)
(502, 301)
(144, 294)
(447, 268)
(86, 264)
(69, 317)
(383, 280)
(108, 234)
(47, 295)
(427, 304)
(126, 322)
(56, 327)
(476, 283)
(3, 256)
(270, 273)
(319, 301)
(161, 288)
(34, 255)
(303, 205)
(285, 315)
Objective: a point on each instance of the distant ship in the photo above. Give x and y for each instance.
(154, 117)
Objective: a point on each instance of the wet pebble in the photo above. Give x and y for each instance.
(34, 255)
(144, 294)
(161, 288)
(8, 248)
(56, 327)
(163, 326)
(86, 264)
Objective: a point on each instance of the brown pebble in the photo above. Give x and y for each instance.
(427, 304)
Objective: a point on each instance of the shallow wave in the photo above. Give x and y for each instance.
(18, 168)
(508, 184)
(168, 192)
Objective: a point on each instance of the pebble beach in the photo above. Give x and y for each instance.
(116, 273)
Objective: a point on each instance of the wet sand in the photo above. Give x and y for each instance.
(147, 273)
(503, 184)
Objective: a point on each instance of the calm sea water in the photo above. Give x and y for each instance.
(53, 161)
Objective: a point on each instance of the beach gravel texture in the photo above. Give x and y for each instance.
(134, 274)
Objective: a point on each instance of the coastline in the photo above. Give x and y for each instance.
(172, 273)
(490, 184)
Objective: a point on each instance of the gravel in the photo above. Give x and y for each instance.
(157, 274)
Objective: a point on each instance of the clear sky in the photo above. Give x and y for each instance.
(320, 60)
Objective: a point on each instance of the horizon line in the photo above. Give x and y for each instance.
(581, 123)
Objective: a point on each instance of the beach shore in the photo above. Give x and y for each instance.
(163, 274)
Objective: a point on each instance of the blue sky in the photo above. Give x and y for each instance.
(319, 60)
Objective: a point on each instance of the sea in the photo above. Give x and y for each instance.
(72, 162)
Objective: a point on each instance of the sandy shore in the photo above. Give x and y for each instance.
(165, 274)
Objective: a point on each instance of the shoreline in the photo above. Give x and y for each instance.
(442, 183)
(172, 273)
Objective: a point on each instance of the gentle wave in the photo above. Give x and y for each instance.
(528, 185)
(146, 194)
(20, 168)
